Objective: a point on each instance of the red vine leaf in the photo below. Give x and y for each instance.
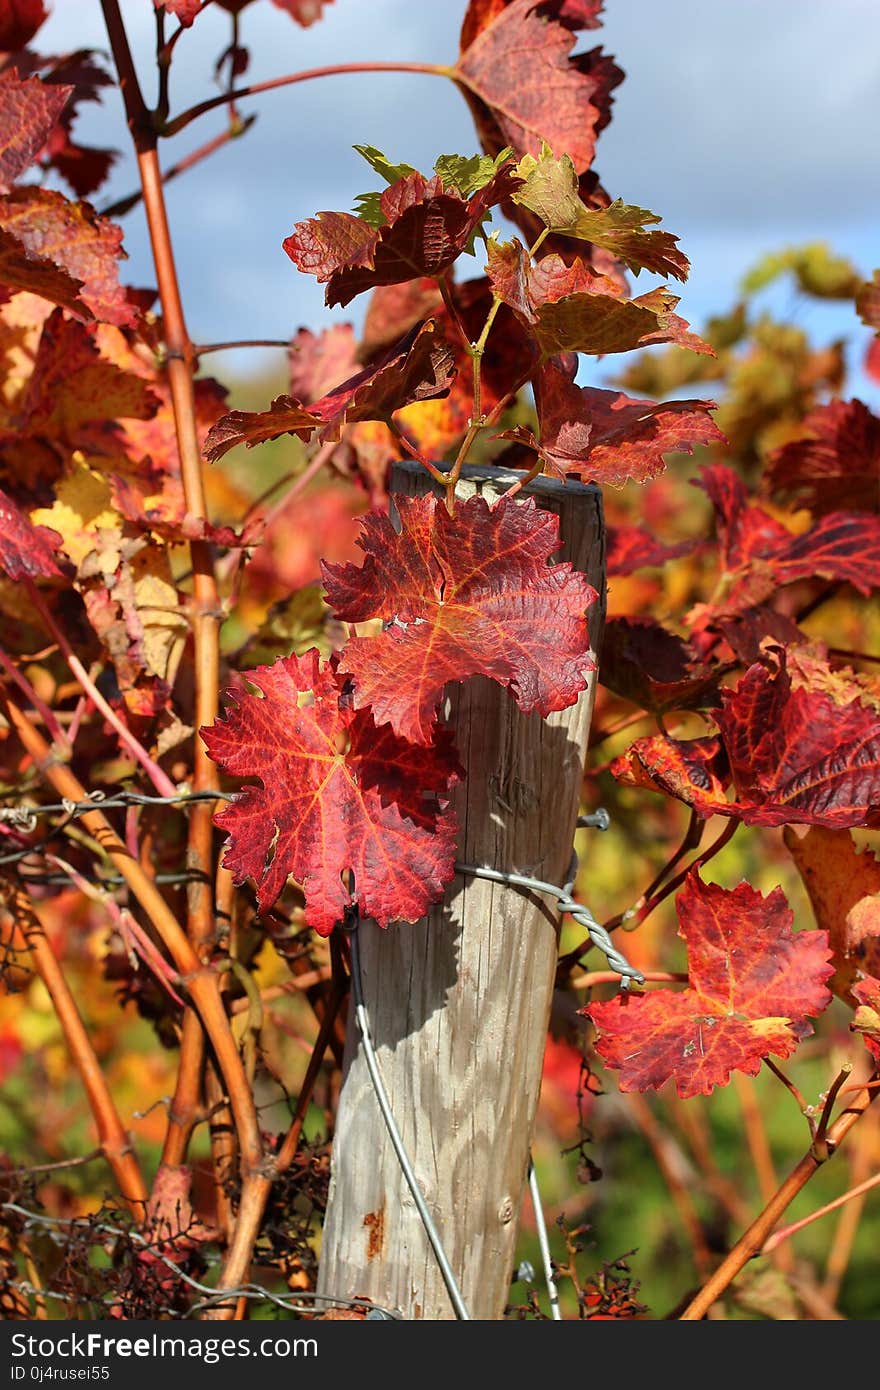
(836, 463)
(28, 112)
(25, 550)
(606, 437)
(693, 770)
(84, 167)
(600, 321)
(326, 245)
(151, 443)
(842, 545)
(523, 85)
(868, 302)
(620, 229)
(844, 888)
(318, 361)
(467, 595)
(72, 235)
(426, 228)
(630, 437)
(753, 984)
(305, 12)
(568, 308)
(335, 794)
(72, 385)
(631, 548)
(575, 14)
(19, 21)
(867, 1016)
(745, 531)
(799, 743)
(509, 271)
(645, 663)
(184, 10)
(72, 399)
(21, 269)
(746, 633)
(156, 503)
(251, 427)
(420, 368)
(759, 554)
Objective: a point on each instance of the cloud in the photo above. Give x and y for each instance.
(746, 115)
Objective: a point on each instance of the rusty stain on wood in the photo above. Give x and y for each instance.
(375, 1224)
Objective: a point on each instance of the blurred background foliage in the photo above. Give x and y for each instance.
(652, 1188)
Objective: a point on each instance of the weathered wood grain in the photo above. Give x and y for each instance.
(459, 1003)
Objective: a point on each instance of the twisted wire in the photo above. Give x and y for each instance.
(617, 961)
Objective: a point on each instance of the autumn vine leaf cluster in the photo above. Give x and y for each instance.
(141, 578)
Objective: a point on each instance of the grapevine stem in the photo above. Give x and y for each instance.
(46, 714)
(436, 474)
(202, 349)
(476, 351)
(785, 1232)
(253, 1200)
(160, 779)
(217, 142)
(672, 1164)
(803, 1104)
(201, 982)
(180, 122)
(206, 602)
(612, 977)
(114, 1140)
(759, 1148)
(820, 1141)
(752, 1241)
(675, 883)
(861, 1163)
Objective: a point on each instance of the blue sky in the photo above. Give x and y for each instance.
(745, 124)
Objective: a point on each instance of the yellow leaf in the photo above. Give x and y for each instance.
(82, 507)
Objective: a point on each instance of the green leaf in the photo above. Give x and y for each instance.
(620, 229)
(467, 175)
(391, 173)
(550, 190)
(815, 267)
(368, 207)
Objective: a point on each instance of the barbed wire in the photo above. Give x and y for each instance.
(299, 1303)
(15, 815)
(25, 820)
(25, 817)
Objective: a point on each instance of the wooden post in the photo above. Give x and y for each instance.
(459, 1003)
